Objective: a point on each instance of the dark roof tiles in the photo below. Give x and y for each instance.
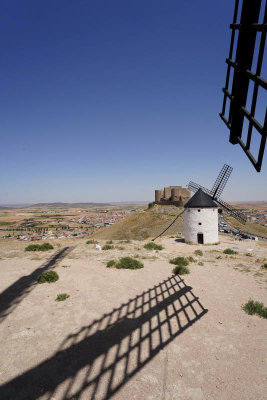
(200, 200)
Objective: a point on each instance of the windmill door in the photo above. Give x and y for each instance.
(200, 238)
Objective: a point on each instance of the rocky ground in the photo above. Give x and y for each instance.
(132, 334)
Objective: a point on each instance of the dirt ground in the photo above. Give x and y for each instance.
(132, 334)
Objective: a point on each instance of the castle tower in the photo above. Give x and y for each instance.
(167, 193)
(175, 194)
(201, 219)
(158, 195)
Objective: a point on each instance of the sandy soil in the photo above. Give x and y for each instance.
(122, 334)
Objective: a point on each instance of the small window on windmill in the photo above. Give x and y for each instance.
(200, 223)
(198, 210)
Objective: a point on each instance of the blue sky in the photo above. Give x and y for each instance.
(109, 100)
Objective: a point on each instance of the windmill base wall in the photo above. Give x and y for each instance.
(208, 218)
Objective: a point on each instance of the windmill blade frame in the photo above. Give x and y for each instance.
(221, 181)
(195, 186)
(232, 211)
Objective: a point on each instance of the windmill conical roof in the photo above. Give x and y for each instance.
(199, 200)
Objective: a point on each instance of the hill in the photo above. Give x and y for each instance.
(251, 229)
(144, 224)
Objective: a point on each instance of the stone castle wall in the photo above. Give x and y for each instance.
(172, 195)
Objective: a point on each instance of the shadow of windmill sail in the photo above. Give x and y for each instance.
(97, 361)
(11, 297)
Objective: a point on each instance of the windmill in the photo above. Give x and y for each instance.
(216, 191)
(199, 224)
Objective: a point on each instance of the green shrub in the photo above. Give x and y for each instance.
(264, 266)
(129, 263)
(180, 261)
(48, 276)
(39, 247)
(191, 259)
(200, 263)
(62, 296)
(218, 257)
(109, 242)
(46, 246)
(111, 263)
(180, 270)
(198, 252)
(91, 241)
(249, 255)
(33, 247)
(255, 307)
(230, 251)
(153, 246)
(107, 247)
(65, 266)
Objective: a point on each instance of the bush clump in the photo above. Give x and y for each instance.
(198, 252)
(39, 247)
(264, 266)
(109, 242)
(107, 247)
(129, 263)
(255, 307)
(200, 263)
(230, 251)
(191, 259)
(153, 246)
(91, 241)
(62, 296)
(180, 261)
(180, 270)
(111, 263)
(48, 276)
(46, 246)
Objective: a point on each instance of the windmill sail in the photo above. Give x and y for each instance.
(232, 211)
(221, 181)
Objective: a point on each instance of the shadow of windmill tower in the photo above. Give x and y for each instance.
(101, 358)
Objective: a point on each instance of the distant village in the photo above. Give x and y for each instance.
(54, 225)
(256, 216)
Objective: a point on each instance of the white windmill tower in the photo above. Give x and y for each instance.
(201, 211)
(201, 219)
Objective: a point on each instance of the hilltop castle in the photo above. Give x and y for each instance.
(175, 195)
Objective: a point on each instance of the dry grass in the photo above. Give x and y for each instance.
(141, 225)
(252, 229)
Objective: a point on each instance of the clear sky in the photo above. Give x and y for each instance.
(108, 100)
